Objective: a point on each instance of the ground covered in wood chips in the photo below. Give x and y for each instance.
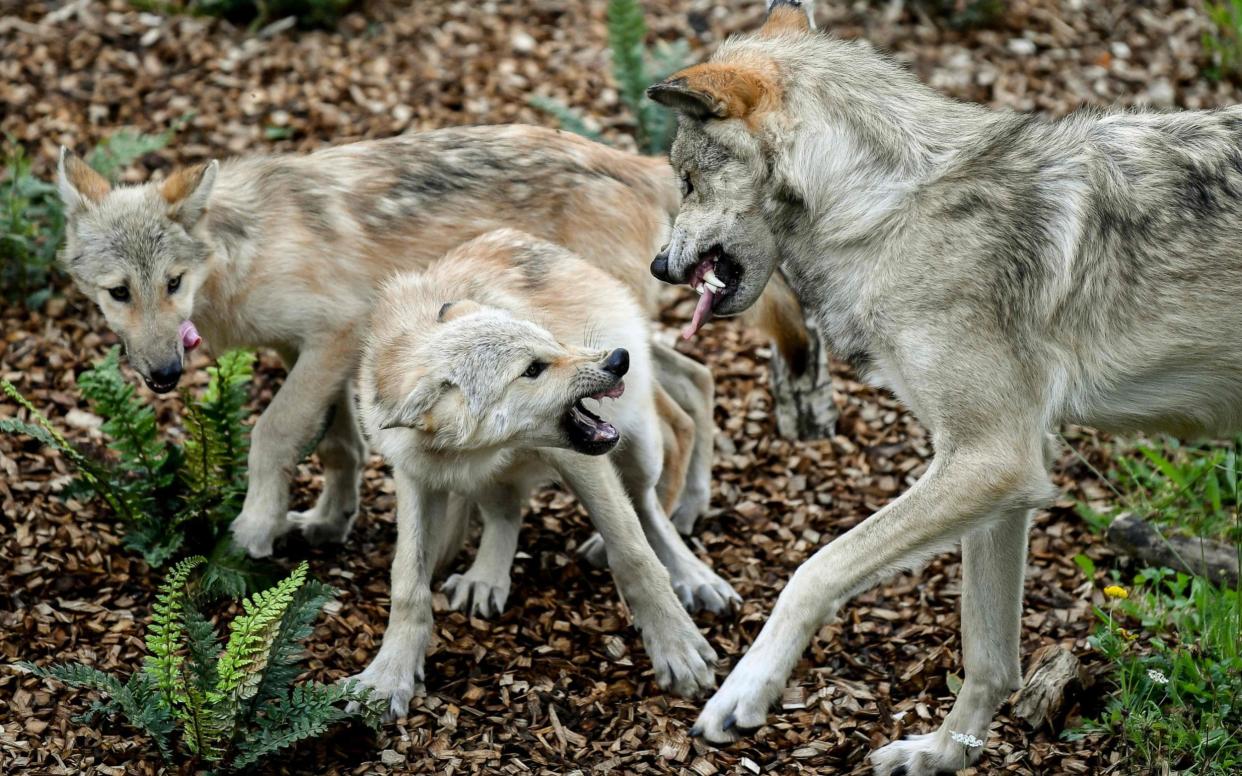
(559, 683)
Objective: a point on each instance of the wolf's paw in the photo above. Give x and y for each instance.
(924, 755)
(396, 678)
(484, 597)
(688, 511)
(699, 588)
(593, 552)
(318, 528)
(682, 659)
(256, 534)
(740, 707)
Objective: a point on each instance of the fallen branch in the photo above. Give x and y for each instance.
(1053, 675)
(1202, 557)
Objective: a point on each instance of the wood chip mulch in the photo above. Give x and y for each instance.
(559, 684)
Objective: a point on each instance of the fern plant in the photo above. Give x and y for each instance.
(635, 66)
(169, 496)
(229, 706)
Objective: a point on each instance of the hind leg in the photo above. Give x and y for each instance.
(342, 453)
(484, 588)
(690, 385)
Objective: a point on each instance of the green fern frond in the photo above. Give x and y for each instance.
(295, 627)
(128, 421)
(248, 652)
(121, 149)
(164, 636)
(308, 711)
(627, 31)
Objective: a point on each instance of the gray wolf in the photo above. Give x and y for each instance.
(286, 252)
(482, 377)
(1002, 273)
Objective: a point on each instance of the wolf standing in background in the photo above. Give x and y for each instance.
(475, 380)
(287, 252)
(1001, 273)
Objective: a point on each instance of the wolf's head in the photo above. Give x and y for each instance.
(131, 250)
(783, 128)
(480, 379)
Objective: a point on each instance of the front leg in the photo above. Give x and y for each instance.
(396, 673)
(681, 657)
(993, 566)
(283, 431)
(484, 588)
(959, 493)
(342, 453)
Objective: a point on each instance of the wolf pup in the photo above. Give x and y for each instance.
(287, 252)
(476, 380)
(1001, 273)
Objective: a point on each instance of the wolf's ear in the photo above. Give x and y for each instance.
(789, 16)
(79, 185)
(417, 409)
(716, 90)
(452, 310)
(186, 191)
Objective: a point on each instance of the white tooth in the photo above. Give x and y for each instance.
(715, 285)
(710, 277)
(700, 289)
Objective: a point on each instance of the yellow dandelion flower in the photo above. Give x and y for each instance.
(1116, 591)
(1127, 635)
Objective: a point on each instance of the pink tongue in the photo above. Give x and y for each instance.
(189, 335)
(702, 311)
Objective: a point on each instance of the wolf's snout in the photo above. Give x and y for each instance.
(164, 378)
(659, 266)
(618, 362)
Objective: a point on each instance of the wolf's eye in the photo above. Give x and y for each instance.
(119, 293)
(174, 284)
(686, 186)
(535, 369)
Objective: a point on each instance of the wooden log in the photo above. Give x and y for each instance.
(1203, 557)
(804, 405)
(1054, 674)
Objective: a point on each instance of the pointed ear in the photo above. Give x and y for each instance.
(451, 310)
(79, 185)
(789, 16)
(417, 409)
(716, 90)
(187, 190)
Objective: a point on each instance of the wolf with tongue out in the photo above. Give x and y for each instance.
(484, 377)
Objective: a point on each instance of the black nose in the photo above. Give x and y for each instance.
(618, 362)
(659, 266)
(163, 379)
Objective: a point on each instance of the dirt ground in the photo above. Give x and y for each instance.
(559, 684)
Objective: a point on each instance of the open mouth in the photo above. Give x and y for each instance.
(589, 433)
(715, 278)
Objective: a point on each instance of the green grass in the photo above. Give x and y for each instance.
(1173, 642)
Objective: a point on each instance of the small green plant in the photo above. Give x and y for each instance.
(256, 13)
(32, 218)
(31, 223)
(1223, 42)
(169, 496)
(1176, 678)
(226, 708)
(1191, 488)
(634, 67)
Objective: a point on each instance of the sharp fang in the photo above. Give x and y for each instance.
(710, 277)
(700, 288)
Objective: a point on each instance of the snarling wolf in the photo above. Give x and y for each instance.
(1002, 273)
(489, 374)
(287, 252)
